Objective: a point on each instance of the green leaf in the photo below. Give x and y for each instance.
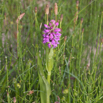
(49, 62)
(44, 85)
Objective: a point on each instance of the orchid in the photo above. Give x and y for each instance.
(52, 34)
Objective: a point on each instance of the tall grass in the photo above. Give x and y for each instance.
(76, 76)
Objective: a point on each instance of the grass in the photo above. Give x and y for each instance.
(77, 71)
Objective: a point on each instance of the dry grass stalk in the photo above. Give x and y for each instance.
(20, 17)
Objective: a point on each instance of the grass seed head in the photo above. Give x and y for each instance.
(35, 9)
(20, 17)
(65, 38)
(76, 17)
(83, 30)
(81, 20)
(47, 9)
(14, 100)
(102, 40)
(61, 17)
(77, 3)
(56, 9)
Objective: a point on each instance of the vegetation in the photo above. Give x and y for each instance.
(75, 65)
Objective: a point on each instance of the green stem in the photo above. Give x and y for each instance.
(47, 20)
(55, 17)
(7, 83)
(48, 99)
(48, 78)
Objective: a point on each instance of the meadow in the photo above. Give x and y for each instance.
(51, 51)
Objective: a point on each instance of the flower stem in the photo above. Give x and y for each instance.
(48, 78)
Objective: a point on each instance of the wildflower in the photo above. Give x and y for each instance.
(51, 34)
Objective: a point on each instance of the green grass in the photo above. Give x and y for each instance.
(76, 76)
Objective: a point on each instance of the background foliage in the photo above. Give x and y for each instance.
(77, 72)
